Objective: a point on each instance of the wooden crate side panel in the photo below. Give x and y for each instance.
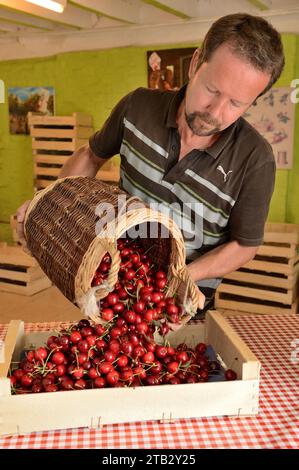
(53, 145)
(13, 344)
(261, 294)
(41, 183)
(239, 306)
(284, 231)
(232, 349)
(279, 251)
(31, 288)
(107, 406)
(16, 256)
(46, 171)
(77, 119)
(59, 133)
(263, 280)
(51, 159)
(269, 267)
(31, 274)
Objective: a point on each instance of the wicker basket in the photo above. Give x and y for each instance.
(69, 229)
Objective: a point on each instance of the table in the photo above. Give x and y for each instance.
(275, 341)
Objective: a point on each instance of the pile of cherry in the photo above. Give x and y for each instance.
(121, 351)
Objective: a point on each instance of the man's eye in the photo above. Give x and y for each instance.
(211, 91)
(236, 105)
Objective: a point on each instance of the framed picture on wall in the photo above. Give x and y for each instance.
(273, 116)
(168, 68)
(21, 100)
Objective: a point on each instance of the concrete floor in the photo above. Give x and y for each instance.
(48, 305)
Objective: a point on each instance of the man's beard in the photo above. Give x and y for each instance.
(199, 128)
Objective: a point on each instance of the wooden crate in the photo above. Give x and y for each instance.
(269, 283)
(96, 407)
(54, 139)
(19, 272)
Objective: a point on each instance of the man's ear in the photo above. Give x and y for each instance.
(194, 62)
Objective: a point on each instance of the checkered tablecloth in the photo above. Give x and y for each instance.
(275, 341)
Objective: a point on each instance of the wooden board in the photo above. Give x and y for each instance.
(77, 119)
(19, 272)
(49, 411)
(240, 306)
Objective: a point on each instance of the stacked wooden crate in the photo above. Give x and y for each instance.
(19, 272)
(54, 139)
(269, 283)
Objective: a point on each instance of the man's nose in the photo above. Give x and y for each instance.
(215, 108)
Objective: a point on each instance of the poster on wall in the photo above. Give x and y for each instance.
(168, 68)
(273, 116)
(39, 100)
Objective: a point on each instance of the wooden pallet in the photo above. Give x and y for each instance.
(54, 139)
(19, 272)
(96, 407)
(268, 283)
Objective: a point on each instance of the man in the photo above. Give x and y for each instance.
(192, 148)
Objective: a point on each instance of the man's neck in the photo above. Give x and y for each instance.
(188, 139)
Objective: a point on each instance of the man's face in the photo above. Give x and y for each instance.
(220, 91)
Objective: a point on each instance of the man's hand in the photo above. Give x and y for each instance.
(21, 212)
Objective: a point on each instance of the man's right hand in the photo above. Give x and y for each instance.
(21, 212)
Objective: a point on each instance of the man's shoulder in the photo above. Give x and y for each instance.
(151, 96)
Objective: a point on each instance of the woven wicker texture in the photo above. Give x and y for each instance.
(74, 222)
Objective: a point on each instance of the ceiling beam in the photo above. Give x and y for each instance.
(71, 16)
(115, 9)
(12, 27)
(181, 9)
(21, 19)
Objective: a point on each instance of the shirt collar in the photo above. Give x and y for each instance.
(170, 121)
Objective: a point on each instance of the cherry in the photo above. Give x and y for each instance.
(58, 358)
(230, 374)
(112, 378)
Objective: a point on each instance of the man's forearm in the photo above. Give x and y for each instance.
(220, 261)
(83, 162)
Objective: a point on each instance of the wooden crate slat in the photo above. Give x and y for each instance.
(30, 289)
(16, 256)
(270, 267)
(58, 133)
(53, 145)
(247, 307)
(14, 275)
(51, 159)
(254, 278)
(43, 183)
(77, 119)
(47, 171)
(260, 294)
(278, 251)
(281, 233)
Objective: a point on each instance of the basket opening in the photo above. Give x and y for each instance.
(155, 239)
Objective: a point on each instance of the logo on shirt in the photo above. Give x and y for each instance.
(225, 175)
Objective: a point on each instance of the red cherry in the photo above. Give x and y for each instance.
(230, 374)
(58, 358)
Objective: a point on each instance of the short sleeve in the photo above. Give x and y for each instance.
(107, 141)
(250, 211)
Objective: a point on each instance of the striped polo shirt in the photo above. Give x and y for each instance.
(214, 195)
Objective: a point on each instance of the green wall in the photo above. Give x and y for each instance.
(92, 82)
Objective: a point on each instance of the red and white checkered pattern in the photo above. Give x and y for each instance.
(271, 338)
